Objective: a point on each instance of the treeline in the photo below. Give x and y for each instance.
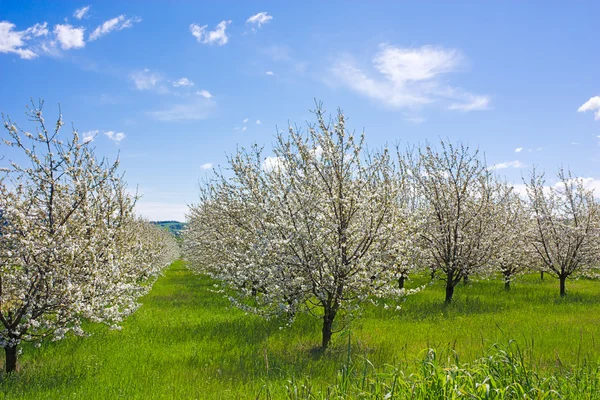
(175, 227)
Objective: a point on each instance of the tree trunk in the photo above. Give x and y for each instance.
(11, 359)
(563, 290)
(466, 279)
(328, 318)
(401, 281)
(432, 274)
(449, 292)
(542, 275)
(507, 285)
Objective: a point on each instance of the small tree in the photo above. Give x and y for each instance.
(407, 255)
(513, 252)
(457, 193)
(566, 221)
(310, 229)
(69, 248)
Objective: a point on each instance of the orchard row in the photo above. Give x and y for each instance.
(71, 247)
(325, 225)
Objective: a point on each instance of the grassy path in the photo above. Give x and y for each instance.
(185, 343)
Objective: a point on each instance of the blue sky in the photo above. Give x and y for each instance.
(173, 87)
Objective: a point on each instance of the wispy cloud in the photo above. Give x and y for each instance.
(69, 36)
(206, 166)
(81, 12)
(269, 73)
(89, 136)
(258, 122)
(37, 30)
(183, 82)
(245, 120)
(217, 36)
(259, 19)
(114, 24)
(410, 78)
(195, 110)
(593, 104)
(470, 102)
(518, 149)
(146, 79)
(204, 93)
(509, 164)
(115, 136)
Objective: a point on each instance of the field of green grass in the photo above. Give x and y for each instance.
(186, 342)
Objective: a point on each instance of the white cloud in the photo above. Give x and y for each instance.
(13, 41)
(593, 104)
(206, 166)
(37, 30)
(509, 164)
(145, 79)
(591, 184)
(183, 82)
(259, 19)
(472, 103)
(269, 73)
(218, 36)
(518, 149)
(89, 136)
(160, 211)
(410, 77)
(258, 122)
(114, 136)
(115, 24)
(81, 12)
(69, 36)
(536, 149)
(245, 120)
(271, 163)
(204, 93)
(197, 110)
(244, 129)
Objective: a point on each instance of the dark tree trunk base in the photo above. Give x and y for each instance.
(401, 281)
(449, 293)
(507, 285)
(11, 359)
(563, 289)
(328, 318)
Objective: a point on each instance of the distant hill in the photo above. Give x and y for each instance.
(175, 227)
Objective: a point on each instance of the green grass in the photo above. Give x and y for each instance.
(185, 342)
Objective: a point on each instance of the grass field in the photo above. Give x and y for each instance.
(185, 342)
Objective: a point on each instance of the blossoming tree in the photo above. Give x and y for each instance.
(310, 229)
(513, 253)
(71, 248)
(457, 193)
(566, 225)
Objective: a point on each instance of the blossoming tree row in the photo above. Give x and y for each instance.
(71, 247)
(325, 224)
